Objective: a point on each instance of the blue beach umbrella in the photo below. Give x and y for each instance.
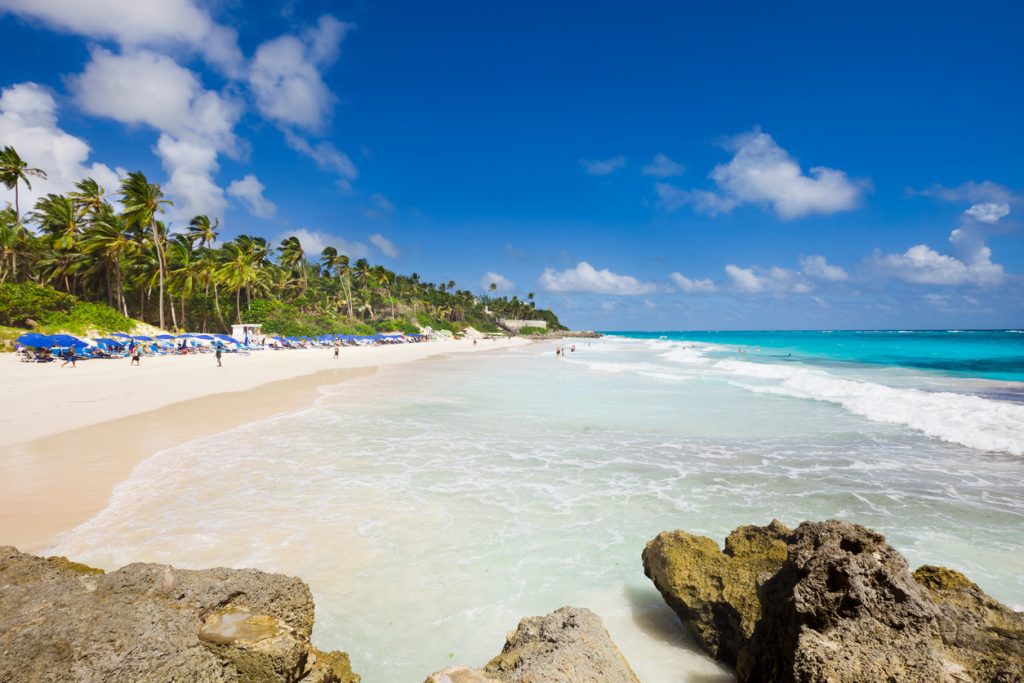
(36, 340)
(165, 336)
(122, 335)
(142, 338)
(66, 340)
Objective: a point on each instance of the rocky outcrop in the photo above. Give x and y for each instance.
(715, 592)
(841, 605)
(62, 621)
(570, 645)
(980, 635)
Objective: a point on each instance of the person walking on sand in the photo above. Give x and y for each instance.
(69, 357)
(219, 348)
(135, 354)
(337, 347)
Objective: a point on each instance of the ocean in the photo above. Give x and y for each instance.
(430, 507)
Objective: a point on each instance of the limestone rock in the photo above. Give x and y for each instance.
(714, 591)
(844, 607)
(63, 621)
(570, 645)
(981, 635)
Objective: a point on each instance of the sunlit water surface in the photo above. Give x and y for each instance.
(432, 507)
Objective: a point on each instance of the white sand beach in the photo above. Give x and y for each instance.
(69, 435)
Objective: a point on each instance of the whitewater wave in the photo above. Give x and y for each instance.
(965, 419)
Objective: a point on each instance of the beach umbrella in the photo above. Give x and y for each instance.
(165, 336)
(142, 338)
(204, 336)
(36, 340)
(66, 340)
(122, 335)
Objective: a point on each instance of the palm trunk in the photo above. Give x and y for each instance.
(216, 307)
(17, 205)
(238, 305)
(160, 267)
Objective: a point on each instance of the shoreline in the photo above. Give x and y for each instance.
(58, 468)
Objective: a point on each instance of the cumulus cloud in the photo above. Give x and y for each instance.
(285, 75)
(818, 267)
(603, 166)
(685, 284)
(988, 212)
(502, 283)
(386, 246)
(195, 124)
(28, 122)
(585, 278)
(774, 280)
(923, 265)
(133, 24)
(662, 167)
(764, 174)
(249, 190)
(314, 241)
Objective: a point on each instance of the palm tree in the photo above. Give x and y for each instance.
(109, 237)
(57, 216)
(238, 272)
(142, 202)
(185, 270)
(88, 197)
(292, 256)
(12, 243)
(14, 170)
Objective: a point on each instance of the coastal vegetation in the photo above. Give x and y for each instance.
(84, 257)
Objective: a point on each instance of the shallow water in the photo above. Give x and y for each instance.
(430, 508)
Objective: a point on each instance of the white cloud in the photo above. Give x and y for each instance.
(314, 241)
(764, 174)
(988, 212)
(132, 23)
(585, 278)
(195, 124)
(923, 265)
(382, 202)
(819, 267)
(250, 190)
(774, 280)
(986, 191)
(662, 167)
(671, 198)
(327, 158)
(285, 75)
(386, 246)
(689, 286)
(502, 283)
(603, 166)
(28, 122)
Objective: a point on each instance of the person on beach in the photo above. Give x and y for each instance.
(337, 347)
(69, 357)
(219, 348)
(136, 355)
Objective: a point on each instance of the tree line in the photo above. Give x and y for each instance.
(120, 251)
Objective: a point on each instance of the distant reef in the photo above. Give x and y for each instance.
(832, 601)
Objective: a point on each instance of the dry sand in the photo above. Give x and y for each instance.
(68, 436)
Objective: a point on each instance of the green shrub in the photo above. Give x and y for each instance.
(22, 303)
(396, 325)
(530, 331)
(86, 317)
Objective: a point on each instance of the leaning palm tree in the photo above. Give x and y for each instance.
(13, 171)
(238, 272)
(88, 197)
(143, 201)
(202, 231)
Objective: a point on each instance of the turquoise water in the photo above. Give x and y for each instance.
(432, 506)
(991, 354)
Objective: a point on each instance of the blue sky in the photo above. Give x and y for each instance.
(669, 166)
